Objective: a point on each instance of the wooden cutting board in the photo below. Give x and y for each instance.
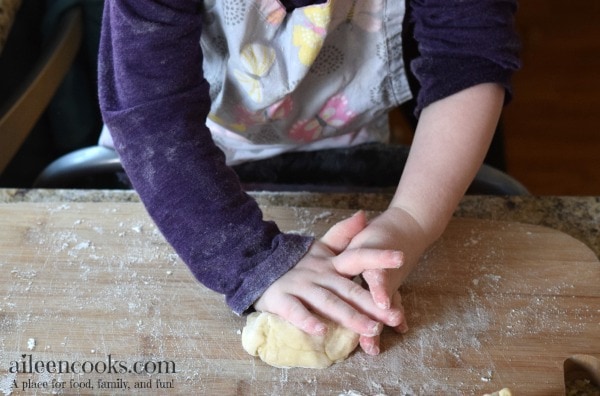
(492, 305)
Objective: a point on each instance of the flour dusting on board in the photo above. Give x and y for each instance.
(122, 291)
(6, 384)
(451, 339)
(128, 281)
(306, 220)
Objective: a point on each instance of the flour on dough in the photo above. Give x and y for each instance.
(279, 343)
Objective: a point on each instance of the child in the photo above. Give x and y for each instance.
(263, 77)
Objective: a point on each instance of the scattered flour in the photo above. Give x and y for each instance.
(444, 350)
(6, 383)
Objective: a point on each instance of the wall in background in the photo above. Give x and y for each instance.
(553, 125)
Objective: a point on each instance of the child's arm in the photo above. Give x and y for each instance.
(154, 100)
(452, 138)
(468, 52)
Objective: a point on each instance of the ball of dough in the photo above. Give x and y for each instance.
(279, 343)
(501, 392)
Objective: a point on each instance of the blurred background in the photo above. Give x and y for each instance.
(551, 130)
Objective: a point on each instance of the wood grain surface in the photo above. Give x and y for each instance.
(91, 295)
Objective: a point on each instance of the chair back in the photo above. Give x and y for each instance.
(20, 113)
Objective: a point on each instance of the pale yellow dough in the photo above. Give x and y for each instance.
(501, 392)
(279, 343)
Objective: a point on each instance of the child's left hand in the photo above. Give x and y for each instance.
(322, 283)
(393, 229)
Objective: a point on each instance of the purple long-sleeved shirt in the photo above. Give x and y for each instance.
(155, 100)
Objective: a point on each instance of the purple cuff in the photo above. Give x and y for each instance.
(463, 43)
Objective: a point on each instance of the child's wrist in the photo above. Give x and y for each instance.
(411, 227)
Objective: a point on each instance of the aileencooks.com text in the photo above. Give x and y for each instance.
(28, 365)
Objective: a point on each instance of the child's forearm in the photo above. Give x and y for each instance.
(452, 138)
(154, 100)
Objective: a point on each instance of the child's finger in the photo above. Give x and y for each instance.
(376, 280)
(402, 327)
(292, 310)
(296, 308)
(335, 307)
(359, 299)
(339, 236)
(370, 344)
(356, 261)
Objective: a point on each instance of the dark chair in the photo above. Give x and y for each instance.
(19, 114)
(98, 161)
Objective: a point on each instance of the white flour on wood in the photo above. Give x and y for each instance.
(123, 291)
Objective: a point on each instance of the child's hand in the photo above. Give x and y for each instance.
(321, 282)
(396, 230)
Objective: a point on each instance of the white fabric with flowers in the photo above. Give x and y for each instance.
(320, 76)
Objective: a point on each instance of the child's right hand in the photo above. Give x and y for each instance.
(322, 283)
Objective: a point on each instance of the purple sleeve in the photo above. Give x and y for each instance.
(463, 43)
(154, 100)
